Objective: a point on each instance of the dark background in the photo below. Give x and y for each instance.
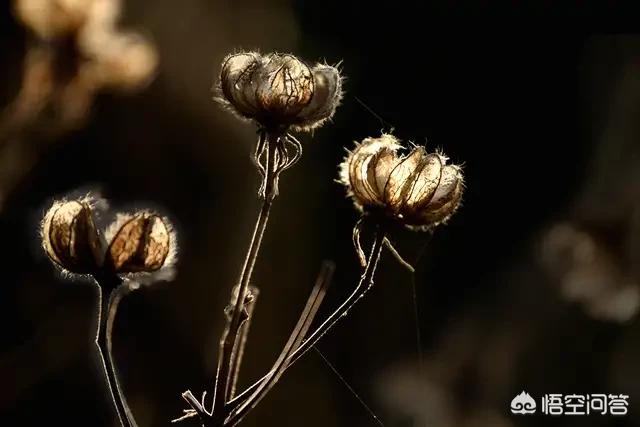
(539, 102)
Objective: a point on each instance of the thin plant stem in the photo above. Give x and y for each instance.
(107, 310)
(248, 400)
(241, 343)
(398, 257)
(304, 323)
(230, 335)
(365, 284)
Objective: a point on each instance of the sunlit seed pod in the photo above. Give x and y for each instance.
(418, 189)
(446, 198)
(50, 19)
(375, 159)
(141, 243)
(238, 84)
(285, 87)
(70, 238)
(327, 94)
(279, 90)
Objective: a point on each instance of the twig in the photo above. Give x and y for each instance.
(297, 335)
(230, 335)
(193, 402)
(250, 398)
(323, 279)
(356, 242)
(238, 352)
(398, 257)
(106, 318)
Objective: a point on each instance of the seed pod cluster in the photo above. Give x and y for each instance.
(279, 90)
(419, 189)
(138, 243)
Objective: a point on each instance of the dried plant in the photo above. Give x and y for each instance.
(74, 51)
(141, 243)
(590, 272)
(78, 51)
(280, 94)
(418, 190)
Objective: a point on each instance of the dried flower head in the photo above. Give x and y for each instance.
(50, 19)
(418, 189)
(140, 243)
(118, 60)
(279, 90)
(70, 237)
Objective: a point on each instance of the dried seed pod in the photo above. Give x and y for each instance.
(141, 243)
(55, 19)
(117, 60)
(70, 237)
(418, 189)
(50, 19)
(279, 90)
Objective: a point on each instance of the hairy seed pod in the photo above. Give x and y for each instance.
(279, 90)
(141, 243)
(70, 237)
(418, 189)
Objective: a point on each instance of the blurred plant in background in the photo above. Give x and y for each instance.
(75, 51)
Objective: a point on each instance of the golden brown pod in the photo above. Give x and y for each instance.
(418, 189)
(141, 243)
(279, 90)
(70, 237)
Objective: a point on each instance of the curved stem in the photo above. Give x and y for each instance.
(108, 308)
(366, 281)
(365, 284)
(230, 335)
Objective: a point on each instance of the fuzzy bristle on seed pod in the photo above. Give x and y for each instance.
(418, 189)
(70, 237)
(140, 243)
(279, 90)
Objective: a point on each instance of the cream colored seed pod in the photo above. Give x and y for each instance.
(141, 243)
(279, 90)
(70, 237)
(419, 189)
